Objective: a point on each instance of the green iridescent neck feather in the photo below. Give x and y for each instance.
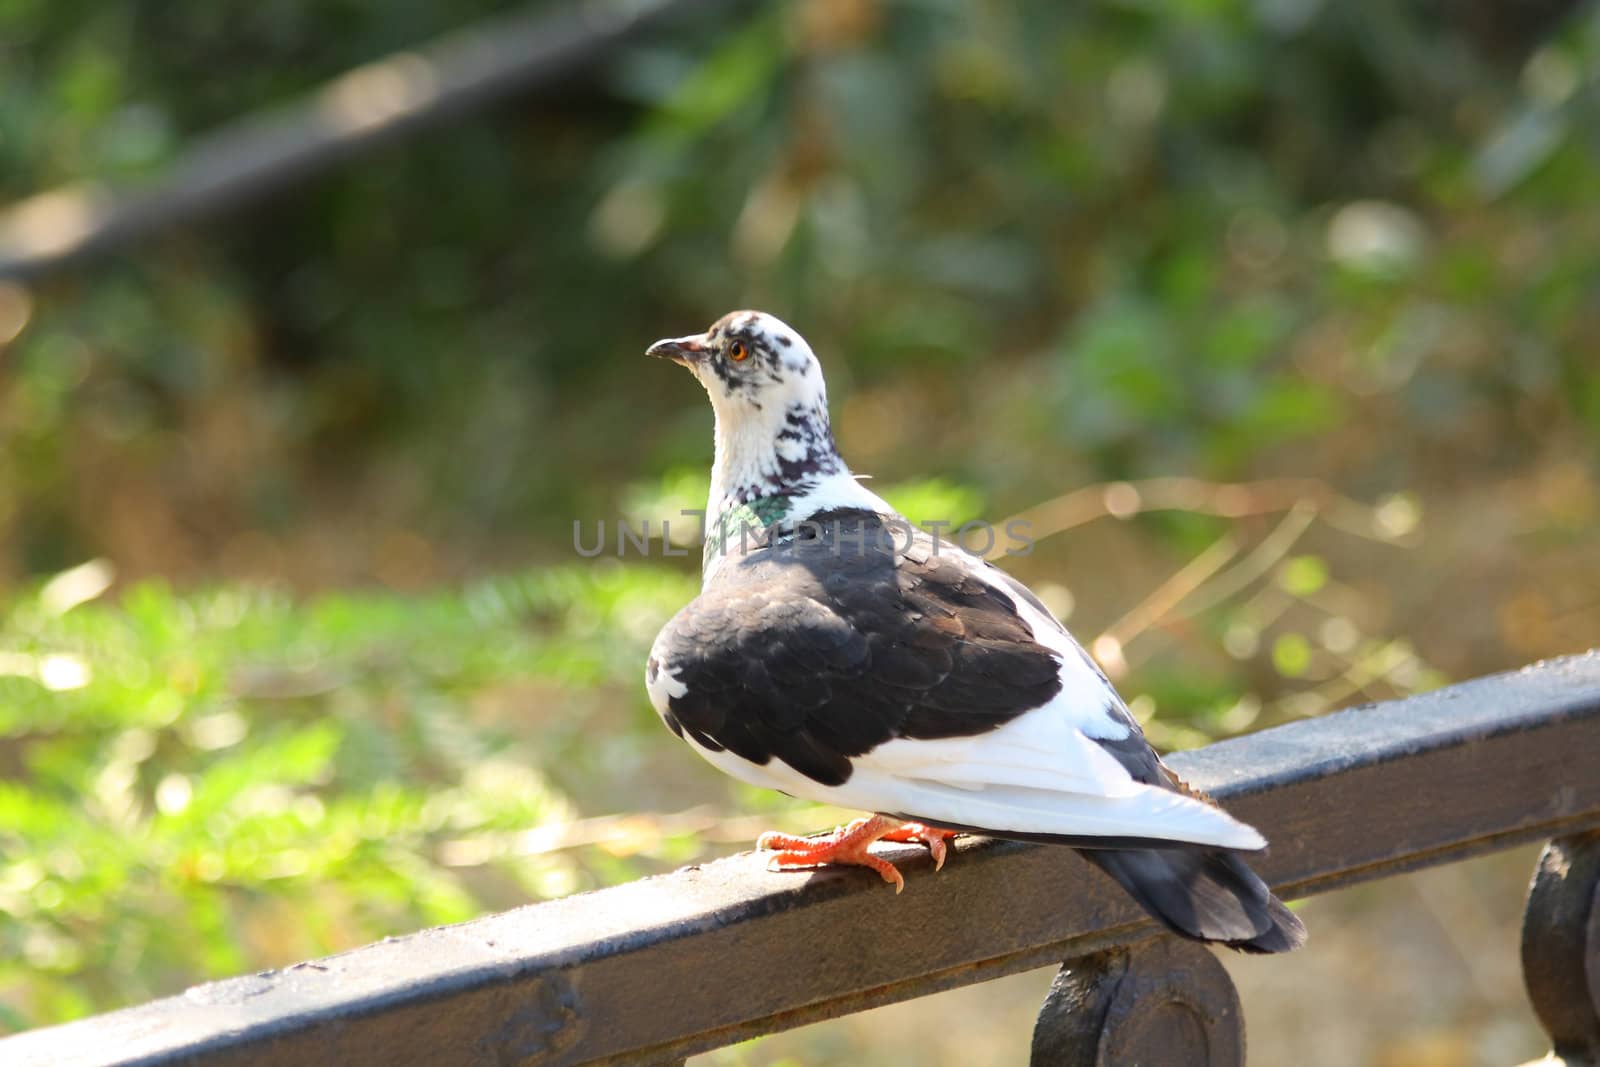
(744, 526)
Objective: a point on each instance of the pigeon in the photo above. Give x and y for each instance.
(840, 654)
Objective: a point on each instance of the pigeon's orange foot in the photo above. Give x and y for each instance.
(917, 833)
(849, 844)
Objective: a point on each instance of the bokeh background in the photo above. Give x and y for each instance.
(1279, 319)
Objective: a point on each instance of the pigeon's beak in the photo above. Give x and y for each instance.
(685, 350)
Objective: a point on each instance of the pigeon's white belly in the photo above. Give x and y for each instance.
(929, 780)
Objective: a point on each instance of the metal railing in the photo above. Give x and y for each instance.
(656, 970)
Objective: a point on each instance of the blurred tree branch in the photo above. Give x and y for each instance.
(1162, 604)
(1217, 574)
(1228, 500)
(260, 153)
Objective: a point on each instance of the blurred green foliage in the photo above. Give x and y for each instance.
(1036, 247)
(213, 782)
(1133, 238)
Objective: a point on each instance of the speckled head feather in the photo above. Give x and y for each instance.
(749, 361)
(773, 435)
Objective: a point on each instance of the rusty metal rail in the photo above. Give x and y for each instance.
(659, 969)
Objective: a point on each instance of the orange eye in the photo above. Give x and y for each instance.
(738, 352)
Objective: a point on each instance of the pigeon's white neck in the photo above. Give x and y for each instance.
(764, 449)
(770, 474)
(782, 451)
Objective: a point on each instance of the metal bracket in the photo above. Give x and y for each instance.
(1561, 947)
(1159, 1001)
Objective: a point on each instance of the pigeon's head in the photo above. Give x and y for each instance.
(750, 362)
(773, 436)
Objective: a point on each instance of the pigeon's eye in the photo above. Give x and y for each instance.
(738, 352)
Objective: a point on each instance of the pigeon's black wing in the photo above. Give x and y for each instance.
(863, 663)
(828, 645)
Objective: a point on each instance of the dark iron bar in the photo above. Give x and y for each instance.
(662, 968)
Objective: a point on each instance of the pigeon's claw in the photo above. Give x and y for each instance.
(849, 845)
(917, 833)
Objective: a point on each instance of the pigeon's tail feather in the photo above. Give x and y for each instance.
(1204, 894)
